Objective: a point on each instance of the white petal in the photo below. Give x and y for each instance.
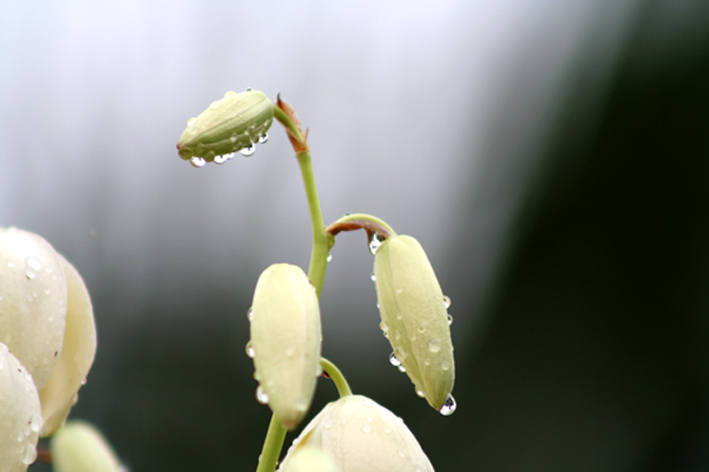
(21, 419)
(57, 395)
(32, 301)
(79, 447)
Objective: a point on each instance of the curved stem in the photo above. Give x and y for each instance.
(355, 221)
(343, 388)
(272, 446)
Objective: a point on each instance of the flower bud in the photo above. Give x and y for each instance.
(79, 447)
(361, 436)
(310, 459)
(415, 319)
(33, 297)
(77, 355)
(20, 418)
(285, 341)
(235, 122)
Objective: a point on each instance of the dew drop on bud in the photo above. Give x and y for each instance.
(261, 396)
(434, 345)
(374, 242)
(393, 360)
(446, 302)
(449, 406)
(198, 162)
(450, 320)
(248, 151)
(249, 89)
(250, 350)
(263, 138)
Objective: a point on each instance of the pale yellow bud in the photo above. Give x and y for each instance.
(20, 415)
(310, 459)
(415, 319)
(237, 121)
(285, 341)
(59, 393)
(79, 447)
(33, 297)
(361, 436)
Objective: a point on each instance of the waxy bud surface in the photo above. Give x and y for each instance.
(285, 341)
(415, 318)
(235, 122)
(79, 447)
(361, 436)
(310, 459)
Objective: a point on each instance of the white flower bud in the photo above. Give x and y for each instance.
(285, 341)
(79, 447)
(32, 301)
(415, 319)
(77, 356)
(235, 122)
(361, 436)
(20, 418)
(310, 459)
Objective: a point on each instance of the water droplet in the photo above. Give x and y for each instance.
(34, 263)
(402, 453)
(198, 162)
(30, 454)
(248, 151)
(223, 158)
(426, 362)
(368, 403)
(263, 139)
(373, 277)
(191, 121)
(434, 345)
(366, 428)
(302, 404)
(250, 350)
(261, 396)
(250, 314)
(401, 368)
(446, 301)
(290, 350)
(422, 328)
(445, 365)
(420, 393)
(393, 360)
(449, 406)
(47, 291)
(230, 94)
(249, 89)
(30, 274)
(327, 423)
(450, 320)
(375, 242)
(36, 422)
(329, 257)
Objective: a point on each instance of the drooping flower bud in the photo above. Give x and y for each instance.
(310, 459)
(33, 297)
(361, 436)
(58, 394)
(285, 341)
(237, 121)
(79, 447)
(415, 319)
(20, 414)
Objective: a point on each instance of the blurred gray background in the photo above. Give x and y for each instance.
(550, 156)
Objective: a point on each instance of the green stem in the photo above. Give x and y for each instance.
(343, 388)
(322, 241)
(272, 446)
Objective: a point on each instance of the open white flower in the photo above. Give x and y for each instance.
(415, 319)
(285, 341)
(361, 436)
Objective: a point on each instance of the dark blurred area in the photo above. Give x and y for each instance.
(552, 158)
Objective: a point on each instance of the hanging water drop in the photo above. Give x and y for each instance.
(374, 242)
(393, 360)
(223, 158)
(198, 162)
(250, 350)
(261, 395)
(401, 368)
(450, 319)
(420, 393)
(248, 151)
(446, 301)
(373, 277)
(448, 407)
(263, 139)
(250, 314)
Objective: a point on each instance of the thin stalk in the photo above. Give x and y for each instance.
(272, 446)
(343, 388)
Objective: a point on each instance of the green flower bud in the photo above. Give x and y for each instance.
(415, 319)
(79, 447)
(237, 121)
(285, 341)
(20, 418)
(77, 355)
(361, 436)
(33, 296)
(310, 459)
